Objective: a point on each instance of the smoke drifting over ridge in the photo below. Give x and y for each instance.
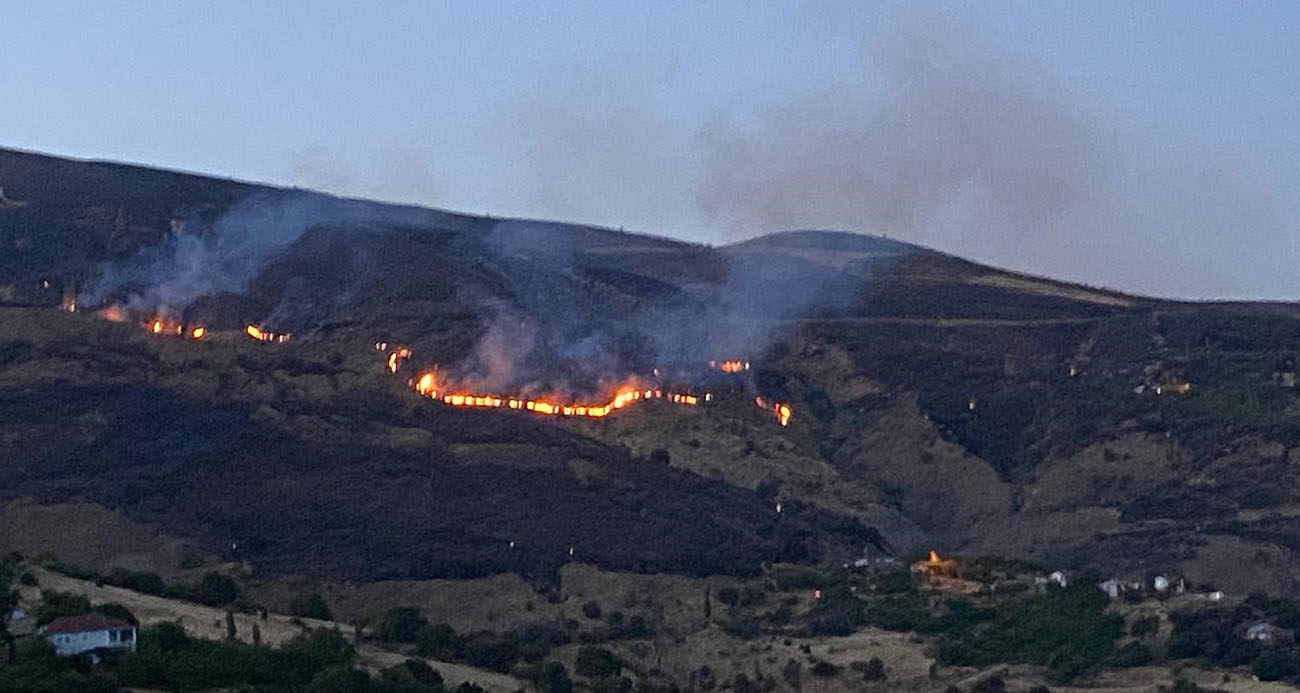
(948, 139)
(983, 152)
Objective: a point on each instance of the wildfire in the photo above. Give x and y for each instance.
(395, 358)
(427, 385)
(261, 335)
(781, 410)
(732, 366)
(113, 313)
(163, 326)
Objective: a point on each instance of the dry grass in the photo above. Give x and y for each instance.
(210, 624)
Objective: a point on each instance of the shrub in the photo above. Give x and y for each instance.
(400, 624)
(1066, 629)
(148, 583)
(729, 596)
(597, 663)
(56, 604)
(1272, 665)
(553, 678)
(310, 605)
(1134, 654)
(824, 669)
(1143, 627)
(216, 590)
(27, 579)
(591, 610)
(437, 641)
(874, 670)
(741, 625)
(992, 684)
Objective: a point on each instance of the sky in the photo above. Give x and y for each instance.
(1152, 147)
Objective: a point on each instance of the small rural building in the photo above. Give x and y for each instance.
(1269, 634)
(1113, 588)
(72, 635)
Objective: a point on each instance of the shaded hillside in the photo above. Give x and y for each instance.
(940, 400)
(301, 463)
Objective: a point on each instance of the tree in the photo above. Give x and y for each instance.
(874, 671)
(553, 678)
(310, 605)
(401, 624)
(597, 663)
(436, 641)
(1272, 665)
(217, 590)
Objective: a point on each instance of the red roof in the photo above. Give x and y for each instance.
(84, 623)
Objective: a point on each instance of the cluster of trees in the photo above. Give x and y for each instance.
(320, 661)
(1217, 636)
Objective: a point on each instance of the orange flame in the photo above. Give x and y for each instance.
(395, 358)
(782, 410)
(113, 313)
(427, 385)
(198, 333)
(263, 336)
(730, 366)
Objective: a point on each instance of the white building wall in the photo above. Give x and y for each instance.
(76, 643)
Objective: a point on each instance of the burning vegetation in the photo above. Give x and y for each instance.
(627, 393)
(261, 335)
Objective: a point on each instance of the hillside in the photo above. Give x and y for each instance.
(936, 401)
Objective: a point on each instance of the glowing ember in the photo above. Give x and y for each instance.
(427, 385)
(395, 358)
(731, 366)
(261, 335)
(781, 410)
(113, 313)
(198, 333)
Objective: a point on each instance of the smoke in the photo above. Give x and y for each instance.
(955, 142)
(401, 174)
(945, 136)
(225, 256)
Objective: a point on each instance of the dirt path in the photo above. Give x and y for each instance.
(210, 624)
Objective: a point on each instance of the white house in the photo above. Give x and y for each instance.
(72, 635)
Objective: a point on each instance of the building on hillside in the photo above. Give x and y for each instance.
(1269, 634)
(1113, 588)
(20, 623)
(72, 635)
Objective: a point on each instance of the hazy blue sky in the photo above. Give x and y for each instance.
(1148, 146)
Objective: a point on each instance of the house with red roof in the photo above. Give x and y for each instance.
(72, 635)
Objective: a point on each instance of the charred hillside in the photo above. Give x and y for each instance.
(938, 400)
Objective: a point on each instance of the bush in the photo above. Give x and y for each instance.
(992, 684)
(216, 590)
(437, 641)
(1143, 627)
(741, 625)
(27, 580)
(56, 604)
(591, 610)
(1134, 654)
(837, 613)
(824, 669)
(1066, 629)
(400, 624)
(118, 612)
(1272, 665)
(874, 670)
(310, 605)
(148, 583)
(597, 663)
(553, 678)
